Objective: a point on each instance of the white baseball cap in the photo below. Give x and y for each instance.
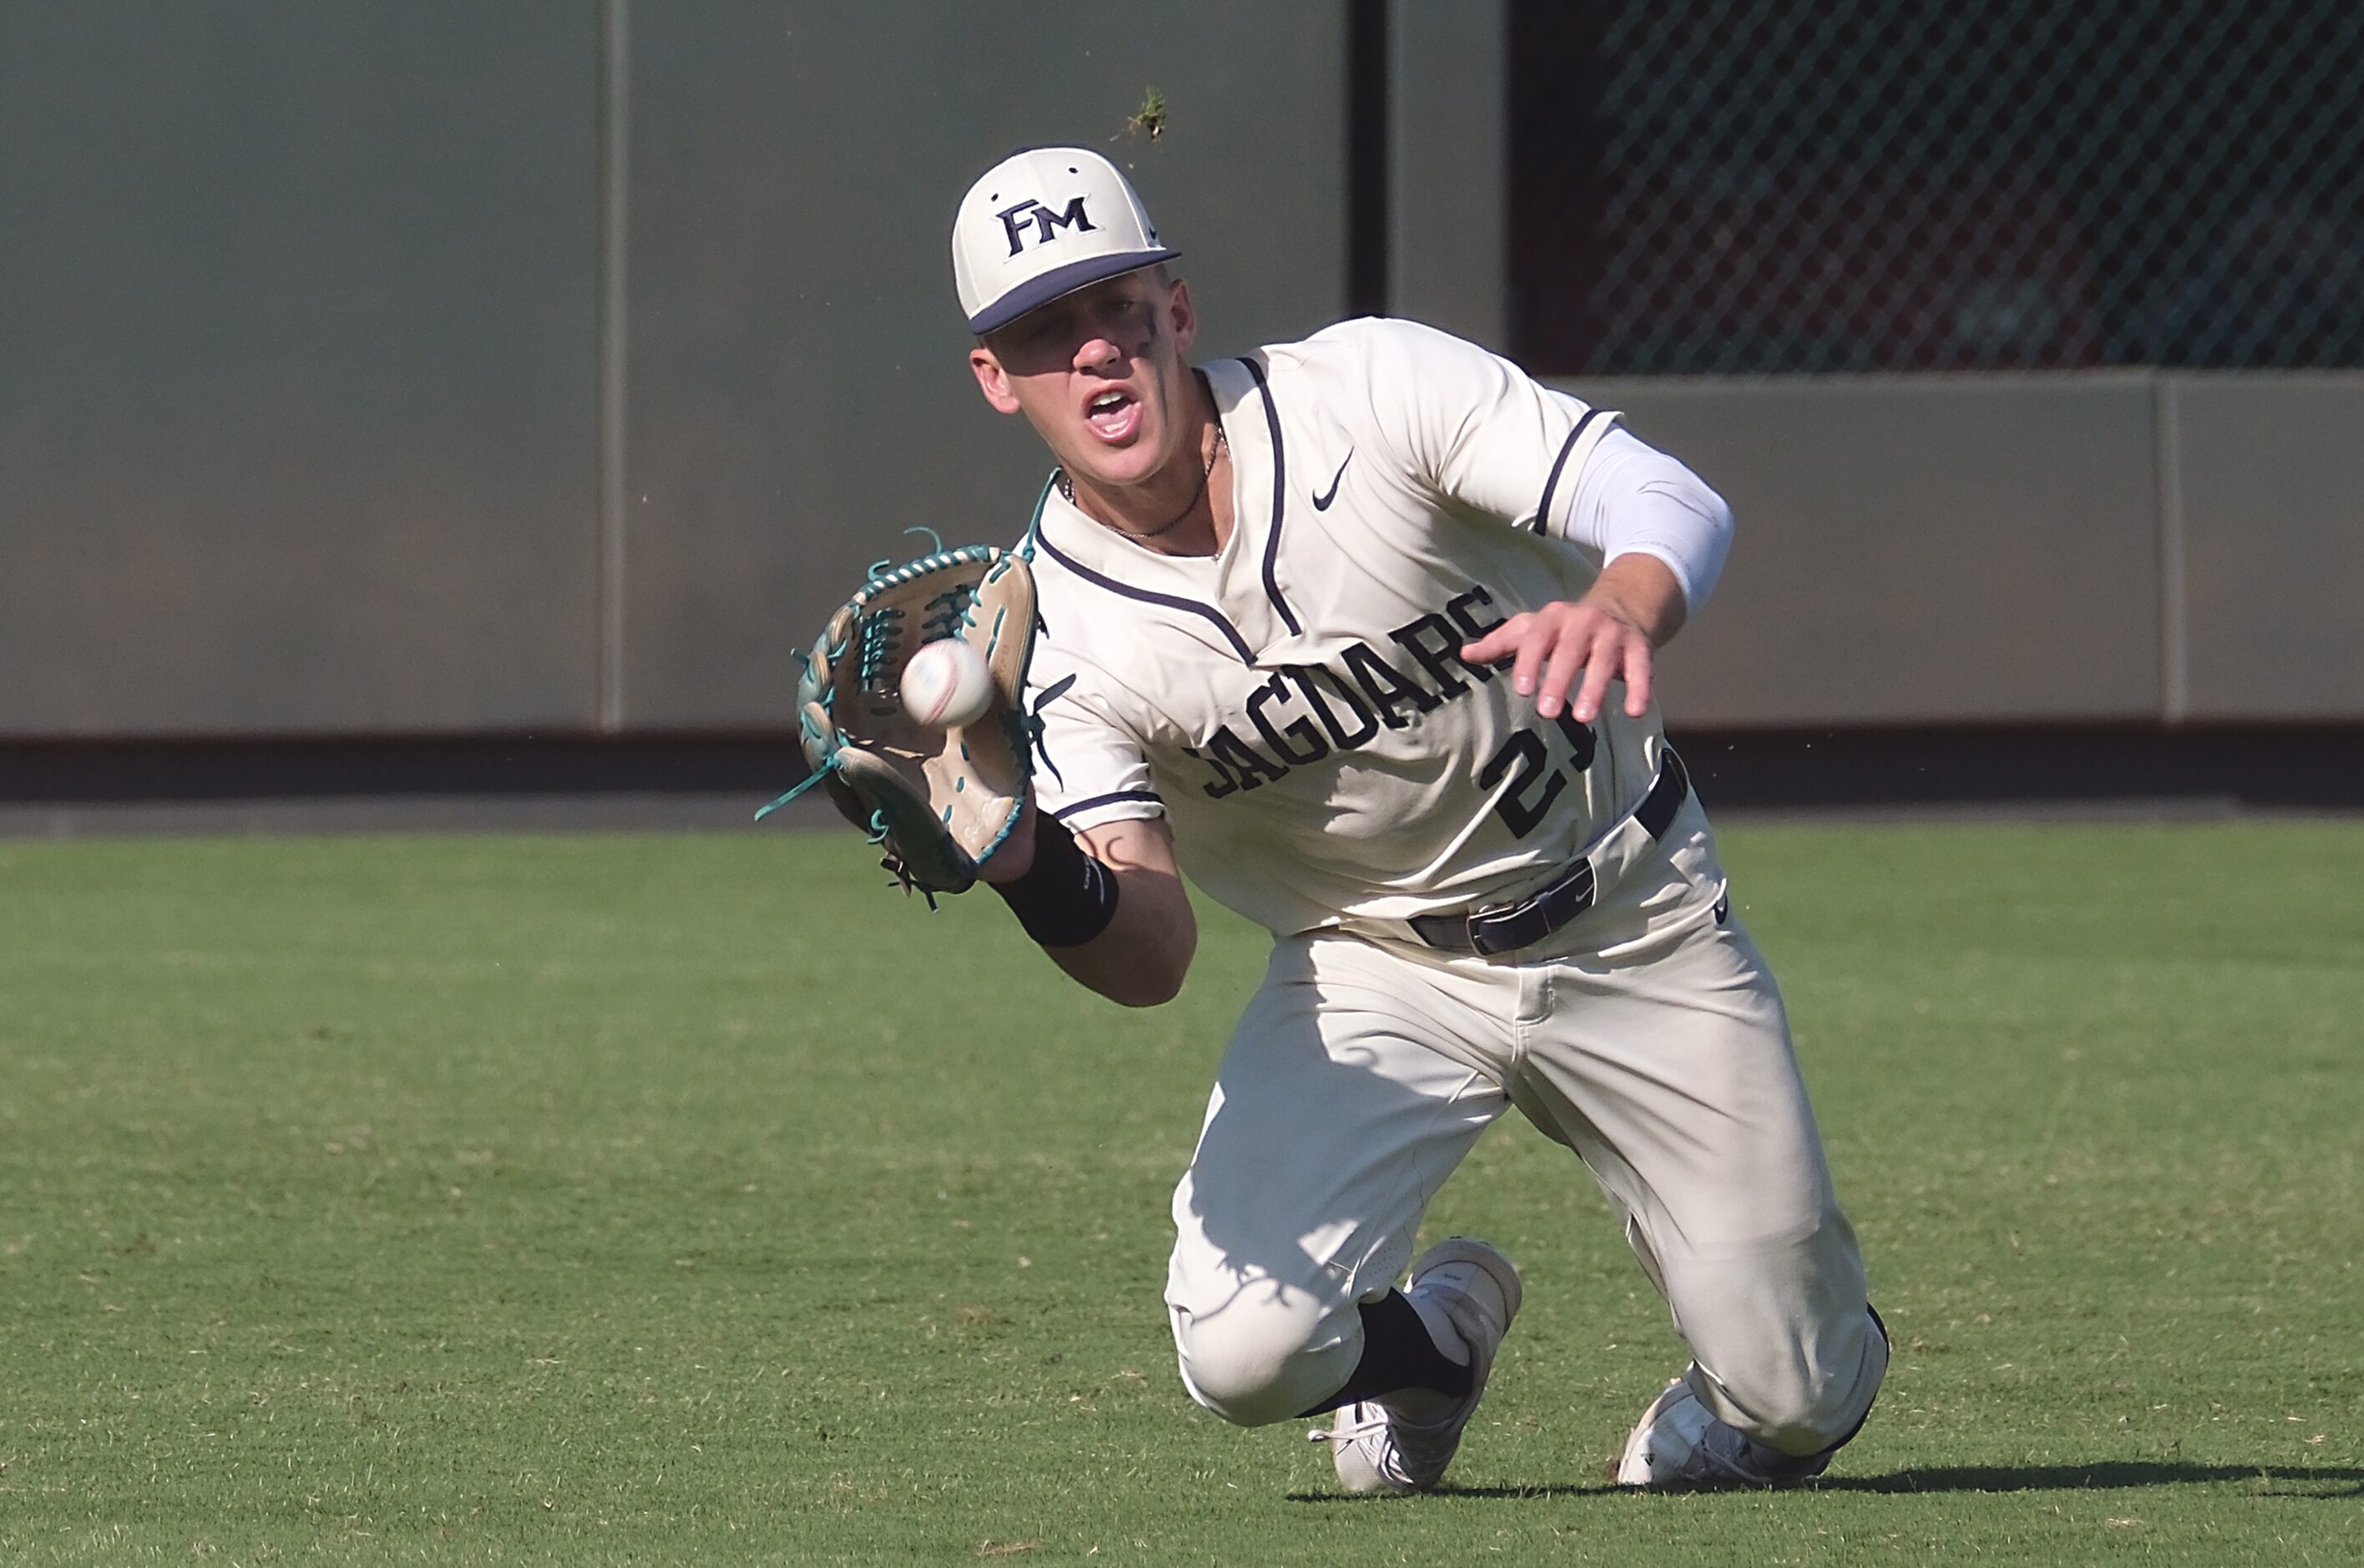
(1042, 223)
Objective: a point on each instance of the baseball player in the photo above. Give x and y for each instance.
(1358, 632)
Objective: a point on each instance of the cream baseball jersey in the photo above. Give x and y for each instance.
(1296, 704)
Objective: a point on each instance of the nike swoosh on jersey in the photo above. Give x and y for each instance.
(1322, 501)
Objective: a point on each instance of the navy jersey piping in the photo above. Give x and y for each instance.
(1543, 512)
(1239, 644)
(1033, 534)
(1279, 504)
(1124, 795)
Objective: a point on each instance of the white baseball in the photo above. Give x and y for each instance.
(946, 684)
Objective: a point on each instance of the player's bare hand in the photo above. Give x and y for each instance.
(1563, 644)
(1609, 635)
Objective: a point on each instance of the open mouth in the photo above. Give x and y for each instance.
(1114, 415)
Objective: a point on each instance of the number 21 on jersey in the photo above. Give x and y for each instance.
(1536, 778)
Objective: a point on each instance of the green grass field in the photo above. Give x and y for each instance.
(661, 1200)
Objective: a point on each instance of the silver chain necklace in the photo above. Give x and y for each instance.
(1222, 444)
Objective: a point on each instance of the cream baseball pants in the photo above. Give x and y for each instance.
(1646, 1035)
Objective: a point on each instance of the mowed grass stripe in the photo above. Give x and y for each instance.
(651, 1199)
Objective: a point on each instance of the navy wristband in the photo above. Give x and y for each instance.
(1067, 897)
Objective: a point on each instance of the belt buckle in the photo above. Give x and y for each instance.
(1483, 945)
(1538, 915)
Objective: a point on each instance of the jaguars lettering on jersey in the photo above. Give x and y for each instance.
(1296, 705)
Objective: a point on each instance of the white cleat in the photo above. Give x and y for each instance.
(1677, 1443)
(1373, 1451)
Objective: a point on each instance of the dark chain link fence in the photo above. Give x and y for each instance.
(1792, 185)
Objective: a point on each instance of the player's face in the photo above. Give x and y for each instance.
(1101, 374)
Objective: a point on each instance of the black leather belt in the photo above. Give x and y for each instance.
(1506, 927)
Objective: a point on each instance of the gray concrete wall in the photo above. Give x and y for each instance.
(2265, 509)
(2114, 546)
(305, 421)
(297, 353)
(800, 391)
(1448, 222)
(1918, 547)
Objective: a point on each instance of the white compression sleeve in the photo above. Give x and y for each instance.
(1633, 498)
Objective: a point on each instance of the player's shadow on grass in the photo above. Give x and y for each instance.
(2268, 1480)
(2312, 1481)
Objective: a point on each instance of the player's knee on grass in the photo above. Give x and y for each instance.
(1267, 1353)
(1805, 1397)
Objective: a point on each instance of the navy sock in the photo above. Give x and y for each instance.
(1397, 1353)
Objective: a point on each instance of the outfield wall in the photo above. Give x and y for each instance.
(2104, 546)
(411, 367)
(418, 366)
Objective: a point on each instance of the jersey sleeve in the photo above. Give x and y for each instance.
(1089, 768)
(1480, 431)
(1476, 428)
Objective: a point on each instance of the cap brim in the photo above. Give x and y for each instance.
(1058, 281)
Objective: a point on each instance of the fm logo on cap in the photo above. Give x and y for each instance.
(1046, 222)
